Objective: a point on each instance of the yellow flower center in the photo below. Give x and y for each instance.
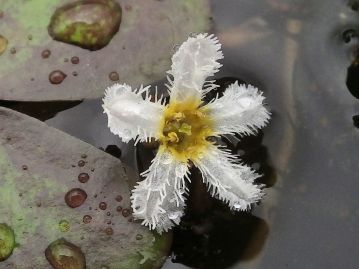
(184, 129)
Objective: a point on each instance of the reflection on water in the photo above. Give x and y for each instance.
(295, 51)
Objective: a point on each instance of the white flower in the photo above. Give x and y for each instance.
(182, 128)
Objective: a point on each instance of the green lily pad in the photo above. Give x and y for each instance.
(139, 52)
(38, 166)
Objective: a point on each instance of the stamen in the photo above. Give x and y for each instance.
(173, 137)
(184, 129)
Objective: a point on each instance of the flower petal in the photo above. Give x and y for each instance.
(195, 60)
(159, 199)
(227, 180)
(130, 115)
(239, 110)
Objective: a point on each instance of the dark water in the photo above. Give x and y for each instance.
(303, 55)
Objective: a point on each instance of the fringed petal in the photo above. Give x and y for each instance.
(195, 60)
(159, 199)
(131, 114)
(227, 180)
(239, 110)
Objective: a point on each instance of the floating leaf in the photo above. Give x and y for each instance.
(38, 166)
(139, 52)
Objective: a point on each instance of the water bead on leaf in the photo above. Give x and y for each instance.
(7, 241)
(62, 254)
(102, 22)
(75, 197)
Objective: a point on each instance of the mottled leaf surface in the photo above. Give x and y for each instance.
(139, 52)
(38, 166)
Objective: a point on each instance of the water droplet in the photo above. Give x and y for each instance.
(75, 197)
(119, 208)
(126, 212)
(66, 60)
(7, 241)
(114, 76)
(64, 226)
(57, 76)
(45, 54)
(87, 219)
(24, 167)
(193, 34)
(102, 22)
(118, 198)
(3, 44)
(109, 231)
(139, 237)
(62, 254)
(75, 60)
(83, 156)
(83, 177)
(108, 213)
(29, 37)
(81, 163)
(13, 50)
(102, 206)
(74, 73)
